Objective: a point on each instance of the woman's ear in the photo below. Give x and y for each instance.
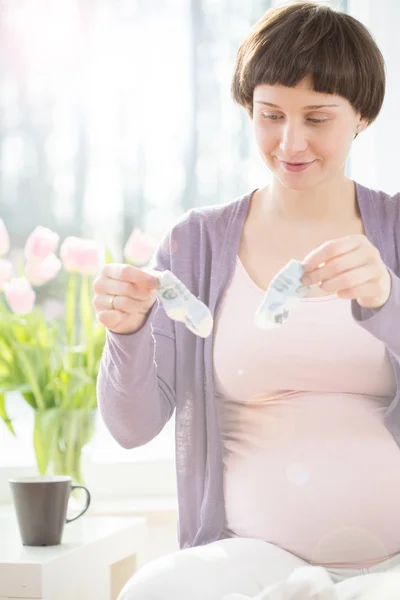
(362, 125)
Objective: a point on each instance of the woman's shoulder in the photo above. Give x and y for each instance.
(381, 210)
(381, 200)
(200, 235)
(381, 215)
(213, 219)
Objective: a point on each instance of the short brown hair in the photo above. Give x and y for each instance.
(333, 49)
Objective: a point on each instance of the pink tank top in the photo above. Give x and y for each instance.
(308, 463)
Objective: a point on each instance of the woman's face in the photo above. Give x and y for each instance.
(299, 130)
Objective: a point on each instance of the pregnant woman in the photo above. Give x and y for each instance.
(287, 441)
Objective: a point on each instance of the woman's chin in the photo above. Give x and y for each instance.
(292, 184)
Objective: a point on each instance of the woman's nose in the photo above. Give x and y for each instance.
(293, 140)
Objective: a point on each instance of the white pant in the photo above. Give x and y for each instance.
(235, 565)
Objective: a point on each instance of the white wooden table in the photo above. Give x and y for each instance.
(96, 558)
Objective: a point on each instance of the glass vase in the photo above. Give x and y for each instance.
(59, 438)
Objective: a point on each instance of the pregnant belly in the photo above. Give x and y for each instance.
(318, 475)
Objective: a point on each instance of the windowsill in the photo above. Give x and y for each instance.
(154, 508)
(127, 482)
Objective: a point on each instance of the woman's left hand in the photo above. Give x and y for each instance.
(353, 268)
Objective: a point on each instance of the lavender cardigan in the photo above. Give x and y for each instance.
(145, 376)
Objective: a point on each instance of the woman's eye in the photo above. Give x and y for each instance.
(276, 117)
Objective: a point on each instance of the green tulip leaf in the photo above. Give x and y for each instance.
(45, 435)
(4, 415)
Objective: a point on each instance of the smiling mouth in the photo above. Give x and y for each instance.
(297, 163)
(296, 167)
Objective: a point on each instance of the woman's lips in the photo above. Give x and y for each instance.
(293, 167)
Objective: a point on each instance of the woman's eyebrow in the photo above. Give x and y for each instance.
(310, 107)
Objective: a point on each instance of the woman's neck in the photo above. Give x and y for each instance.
(333, 202)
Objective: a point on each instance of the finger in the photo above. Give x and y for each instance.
(121, 303)
(130, 274)
(113, 287)
(111, 318)
(335, 267)
(350, 279)
(332, 249)
(366, 290)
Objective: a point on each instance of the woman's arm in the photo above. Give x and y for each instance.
(383, 323)
(136, 380)
(353, 268)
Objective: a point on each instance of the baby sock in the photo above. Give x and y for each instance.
(283, 293)
(181, 305)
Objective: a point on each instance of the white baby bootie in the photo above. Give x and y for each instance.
(283, 294)
(181, 305)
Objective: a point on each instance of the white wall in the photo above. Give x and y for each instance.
(375, 154)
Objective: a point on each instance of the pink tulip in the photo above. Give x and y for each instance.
(6, 271)
(41, 243)
(139, 248)
(42, 271)
(80, 256)
(4, 239)
(19, 295)
(53, 309)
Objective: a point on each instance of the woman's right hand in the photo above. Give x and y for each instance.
(123, 297)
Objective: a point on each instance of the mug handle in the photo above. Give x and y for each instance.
(88, 498)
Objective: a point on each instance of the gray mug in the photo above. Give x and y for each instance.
(41, 507)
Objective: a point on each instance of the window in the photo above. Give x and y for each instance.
(105, 126)
(103, 131)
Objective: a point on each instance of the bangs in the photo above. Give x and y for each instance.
(333, 50)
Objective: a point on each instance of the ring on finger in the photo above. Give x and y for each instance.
(111, 301)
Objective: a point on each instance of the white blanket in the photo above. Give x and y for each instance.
(305, 583)
(315, 583)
